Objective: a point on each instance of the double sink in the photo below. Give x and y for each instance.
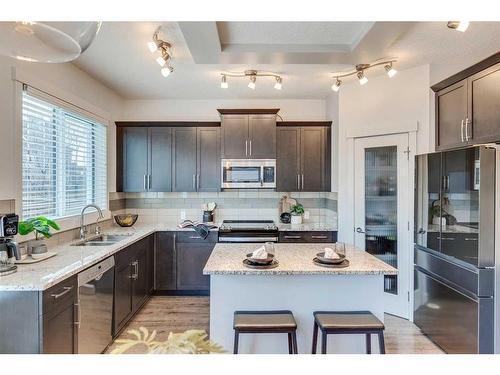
(102, 240)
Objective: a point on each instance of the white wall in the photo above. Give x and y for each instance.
(382, 106)
(206, 110)
(332, 114)
(66, 78)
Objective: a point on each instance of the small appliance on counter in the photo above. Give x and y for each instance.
(9, 250)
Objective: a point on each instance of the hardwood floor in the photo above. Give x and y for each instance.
(167, 314)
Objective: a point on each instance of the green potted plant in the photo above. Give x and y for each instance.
(41, 226)
(297, 211)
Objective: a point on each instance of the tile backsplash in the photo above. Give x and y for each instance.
(234, 204)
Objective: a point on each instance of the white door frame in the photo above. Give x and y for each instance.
(409, 247)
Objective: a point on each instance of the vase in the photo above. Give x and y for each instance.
(296, 219)
(37, 247)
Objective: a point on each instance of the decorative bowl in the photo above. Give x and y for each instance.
(126, 220)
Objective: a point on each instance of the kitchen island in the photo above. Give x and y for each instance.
(297, 284)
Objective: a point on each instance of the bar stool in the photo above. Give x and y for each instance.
(279, 321)
(347, 322)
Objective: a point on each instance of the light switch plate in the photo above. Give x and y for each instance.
(306, 215)
(183, 215)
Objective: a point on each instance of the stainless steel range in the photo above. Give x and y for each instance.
(248, 231)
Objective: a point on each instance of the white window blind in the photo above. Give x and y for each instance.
(64, 162)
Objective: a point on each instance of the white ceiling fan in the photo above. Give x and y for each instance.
(50, 42)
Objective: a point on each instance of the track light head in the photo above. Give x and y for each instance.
(458, 25)
(277, 85)
(391, 72)
(165, 71)
(153, 47)
(251, 84)
(336, 85)
(362, 78)
(223, 83)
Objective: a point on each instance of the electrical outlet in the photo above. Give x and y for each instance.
(183, 215)
(306, 215)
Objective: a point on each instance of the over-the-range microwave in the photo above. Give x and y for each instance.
(248, 174)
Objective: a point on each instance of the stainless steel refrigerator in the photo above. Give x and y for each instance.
(454, 263)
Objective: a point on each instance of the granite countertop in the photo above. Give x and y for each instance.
(294, 259)
(306, 227)
(433, 228)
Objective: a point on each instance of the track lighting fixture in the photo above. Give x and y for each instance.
(391, 72)
(336, 85)
(360, 72)
(223, 83)
(251, 84)
(277, 85)
(165, 53)
(458, 25)
(362, 78)
(252, 76)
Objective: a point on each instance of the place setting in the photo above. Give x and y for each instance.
(262, 258)
(332, 257)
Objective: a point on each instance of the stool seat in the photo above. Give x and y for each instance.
(264, 320)
(348, 320)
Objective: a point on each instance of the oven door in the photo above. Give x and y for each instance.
(255, 174)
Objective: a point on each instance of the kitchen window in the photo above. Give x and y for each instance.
(64, 163)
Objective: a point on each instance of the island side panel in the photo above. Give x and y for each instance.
(302, 294)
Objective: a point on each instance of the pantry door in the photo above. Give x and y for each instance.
(381, 211)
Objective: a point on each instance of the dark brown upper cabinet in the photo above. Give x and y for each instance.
(196, 159)
(303, 158)
(248, 136)
(146, 159)
(467, 110)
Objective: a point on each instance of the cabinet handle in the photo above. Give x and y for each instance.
(195, 237)
(149, 180)
(462, 130)
(467, 129)
(293, 237)
(298, 182)
(320, 237)
(470, 239)
(194, 181)
(145, 183)
(250, 147)
(135, 275)
(302, 181)
(246, 147)
(198, 181)
(66, 290)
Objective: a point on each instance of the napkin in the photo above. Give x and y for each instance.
(260, 253)
(331, 254)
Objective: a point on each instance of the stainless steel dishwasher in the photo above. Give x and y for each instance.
(95, 307)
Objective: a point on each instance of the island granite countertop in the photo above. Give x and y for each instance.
(294, 259)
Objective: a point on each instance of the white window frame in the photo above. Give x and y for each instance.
(21, 78)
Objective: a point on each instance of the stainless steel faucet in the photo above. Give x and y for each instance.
(83, 228)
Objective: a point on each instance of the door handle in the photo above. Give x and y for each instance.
(250, 147)
(135, 275)
(198, 182)
(462, 130)
(149, 182)
(246, 147)
(145, 182)
(78, 314)
(359, 230)
(421, 231)
(194, 181)
(298, 182)
(302, 181)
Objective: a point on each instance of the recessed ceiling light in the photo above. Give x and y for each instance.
(336, 85)
(391, 72)
(251, 84)
(458, 25)
(223, 83)
(362, 78)
(277, 85)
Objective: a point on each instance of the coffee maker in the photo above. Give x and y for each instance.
(8, 248)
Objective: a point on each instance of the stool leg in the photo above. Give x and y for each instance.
(368, 344)
(236, 337)
(323, 342)
(381, 342)
(294, 341)
(290, 346)
(315, 338)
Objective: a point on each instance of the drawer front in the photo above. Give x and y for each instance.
(292, 236)
(59, 295)
(192, 236)
(319, 237)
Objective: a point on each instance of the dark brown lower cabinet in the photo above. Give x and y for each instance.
(307, 236)
(180, 259)
(132, 279)
(59, 330)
